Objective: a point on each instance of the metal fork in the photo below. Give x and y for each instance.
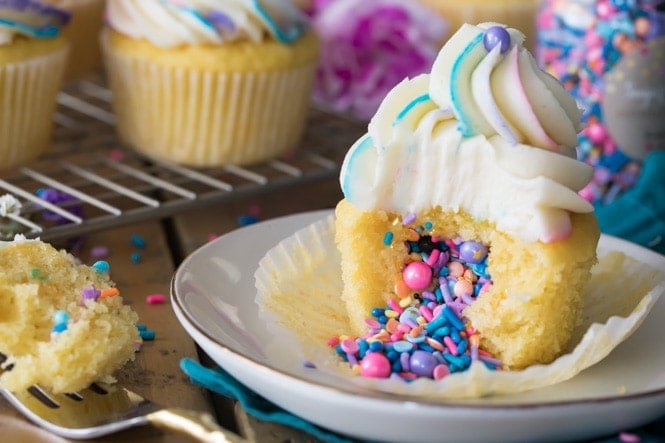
(101, 409)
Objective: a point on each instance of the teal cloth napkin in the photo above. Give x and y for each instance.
(221, 382)
(638, 215)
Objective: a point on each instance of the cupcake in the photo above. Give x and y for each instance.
(33, 56)
(82, 31)
(209, 83)
(518, 14)
(464, 193)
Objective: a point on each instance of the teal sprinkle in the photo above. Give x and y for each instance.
(135, 257)
(388, 238)
(141, 327)
(428, 225)
(101, 266)
(147, 334)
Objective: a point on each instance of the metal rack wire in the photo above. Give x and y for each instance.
(101, 184)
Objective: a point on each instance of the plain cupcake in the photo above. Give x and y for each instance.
(33, 56)
(207, 83)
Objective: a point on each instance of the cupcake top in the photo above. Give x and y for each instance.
(170, 23)
(486, 132)
(29, 18)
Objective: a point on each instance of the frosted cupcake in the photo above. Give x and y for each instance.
(82, 31)
(33, 57)
(206, 83)
(465, 190)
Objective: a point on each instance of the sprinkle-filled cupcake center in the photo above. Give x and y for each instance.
(422, 330)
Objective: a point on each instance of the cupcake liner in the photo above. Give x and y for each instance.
(204, 118)
(298, 292)
(28, 91)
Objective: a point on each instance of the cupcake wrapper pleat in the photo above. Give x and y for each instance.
(205, 118)
(28, 91)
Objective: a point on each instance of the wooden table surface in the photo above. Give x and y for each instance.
(155, 373)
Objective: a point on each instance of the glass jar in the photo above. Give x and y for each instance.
(610, 55)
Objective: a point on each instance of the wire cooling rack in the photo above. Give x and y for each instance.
(98, 183)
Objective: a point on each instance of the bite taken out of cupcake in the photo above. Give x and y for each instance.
(466, 255)
(33, 57)
(208, 83)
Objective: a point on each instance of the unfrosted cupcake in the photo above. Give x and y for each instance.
(33, 56)
(82, 31)
(206, 83)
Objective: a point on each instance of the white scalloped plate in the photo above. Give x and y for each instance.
(213, 293)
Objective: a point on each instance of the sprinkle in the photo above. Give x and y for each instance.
(109, 292)
(388, 238)
(308, 364)
(90, 293)
(147, 334)
(155, 299)
(409, 218)
(248, 219)
(135, 257)
(36, 273)
(99, 251)
(629, 437)
(101, 266)
(430, 324)
(138, 241)
(117, 154)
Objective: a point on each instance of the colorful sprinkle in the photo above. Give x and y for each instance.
(388, 238)
(101, 266)
(109, 292)
(138, 241)
(135, 257)
(99, 251)
(155, 299)
(421, 332)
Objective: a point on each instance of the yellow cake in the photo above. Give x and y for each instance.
(32, 63)
(229, 87)
(474, 161)
(63, 324)
(82, 32)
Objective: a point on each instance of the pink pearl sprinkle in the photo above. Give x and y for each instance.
(375, 365)
(155, 299)
(417, 275)
(440, 371)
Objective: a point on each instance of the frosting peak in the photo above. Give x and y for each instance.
(29, 18)
(493, 86)
(465, 137)
(169, 23)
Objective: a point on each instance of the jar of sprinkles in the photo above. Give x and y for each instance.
(610, 55)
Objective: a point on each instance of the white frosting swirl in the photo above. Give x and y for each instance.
(170, 23)
(430, 145)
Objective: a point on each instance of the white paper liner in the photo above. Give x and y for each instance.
(28, 91)
(298, 292)
(204, 118)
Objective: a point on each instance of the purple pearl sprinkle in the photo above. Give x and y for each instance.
(496, 35)
(422, 363)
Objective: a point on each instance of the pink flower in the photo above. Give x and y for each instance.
(368, 46)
